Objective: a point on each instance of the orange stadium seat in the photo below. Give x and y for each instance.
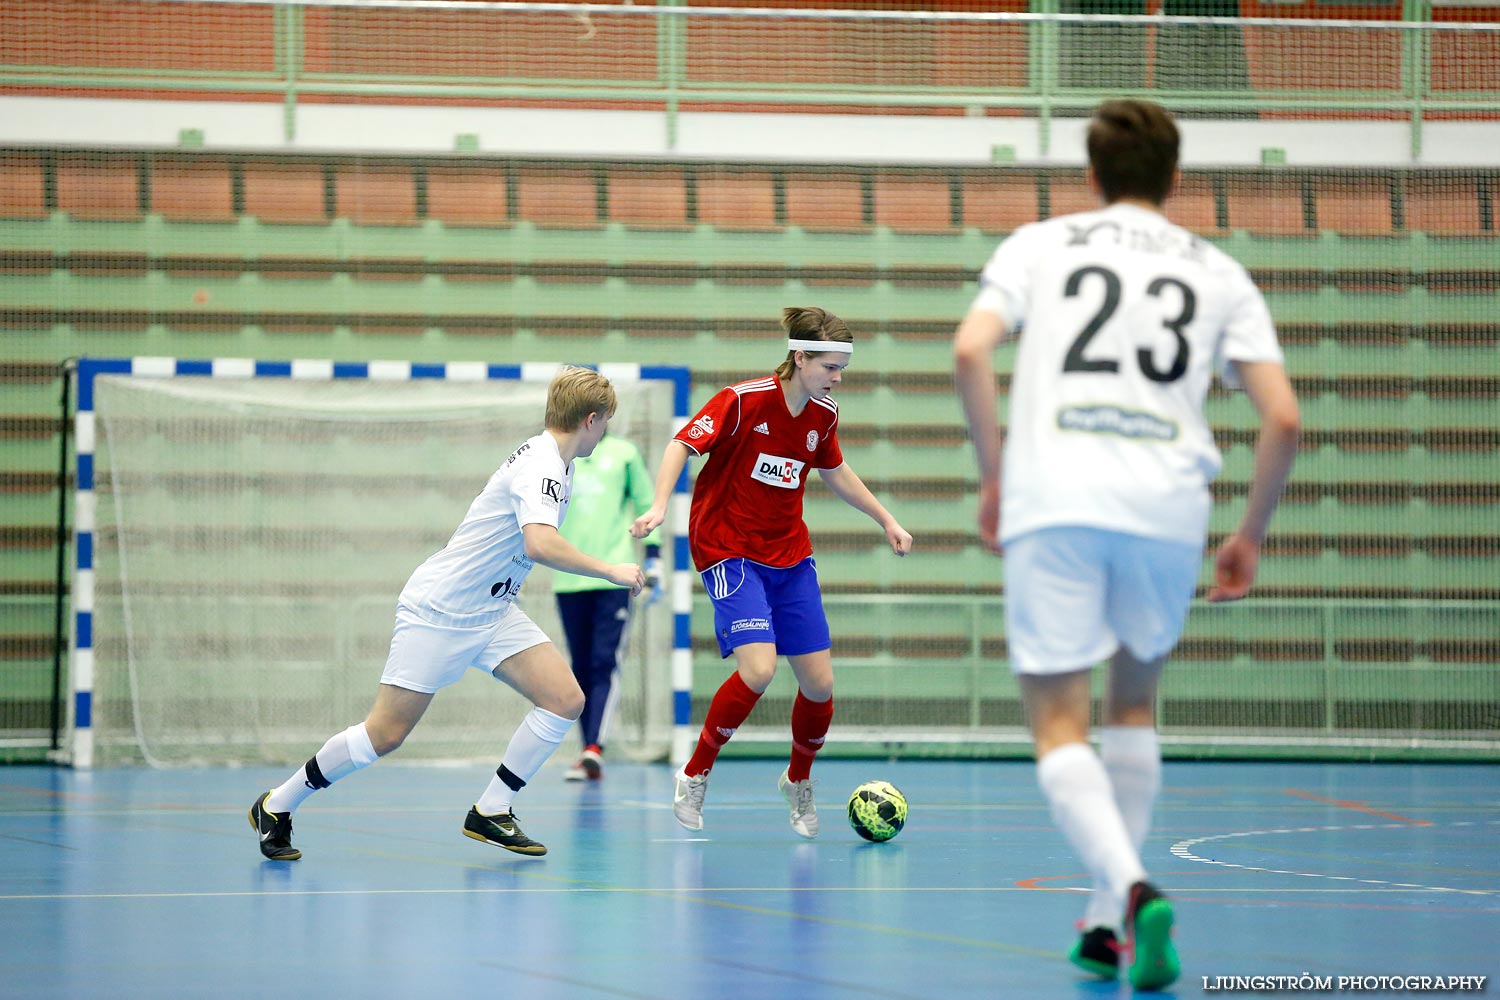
(468, 195)
(737, 199)
(825, 201)
(1353, 205)
(648, 197)
(1447, 206)
(285, 192)
(376, 194)
(914, 203)
(99, 186)
(565, 197)
(23, 190)
(1195, 205)
(1268, 206)
(192, 189)
(999, 201)
(1069, 193)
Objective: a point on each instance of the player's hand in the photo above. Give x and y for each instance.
(651, 570)
(647, 522)
(629, 576)
(899, 538)
(989, 515)
(1234, 569)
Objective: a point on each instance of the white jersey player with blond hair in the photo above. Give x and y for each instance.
(458, 611)
(1123, 320)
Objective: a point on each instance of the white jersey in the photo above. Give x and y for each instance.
(477, 575)
(1123, 319)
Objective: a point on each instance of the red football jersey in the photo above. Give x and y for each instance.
(748, 499)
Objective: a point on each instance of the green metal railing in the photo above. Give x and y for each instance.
(1327, 681)
(1412, 94)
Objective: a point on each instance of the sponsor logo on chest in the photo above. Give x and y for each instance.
(773, 470)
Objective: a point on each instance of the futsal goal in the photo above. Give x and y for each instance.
(243, 529)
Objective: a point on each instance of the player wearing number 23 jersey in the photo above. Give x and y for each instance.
(748, 498)
(1126, 318)
(1103, 504)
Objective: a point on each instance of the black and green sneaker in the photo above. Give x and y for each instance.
(502, 830)
(1097, 952)
(1148, 931)
(274, 830)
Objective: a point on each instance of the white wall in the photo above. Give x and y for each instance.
(233, 125)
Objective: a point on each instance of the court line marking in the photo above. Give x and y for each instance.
(1181, 849)
(1363, 807)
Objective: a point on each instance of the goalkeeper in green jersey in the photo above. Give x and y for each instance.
(611, 488)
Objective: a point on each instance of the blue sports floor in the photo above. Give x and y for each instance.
(135, 883)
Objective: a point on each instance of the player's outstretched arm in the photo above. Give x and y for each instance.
(546, 545)
(849, 488)
(673, 461)
(1270, 390)
(974, 346)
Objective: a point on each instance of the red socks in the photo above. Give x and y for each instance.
(810, 721)
(731, 706)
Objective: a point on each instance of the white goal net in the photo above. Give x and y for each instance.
(252, 535)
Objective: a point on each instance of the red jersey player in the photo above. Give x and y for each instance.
(749, 542)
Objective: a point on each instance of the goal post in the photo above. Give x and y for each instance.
(242, 529)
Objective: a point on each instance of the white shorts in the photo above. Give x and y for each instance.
(425, 657)
(1074, 595)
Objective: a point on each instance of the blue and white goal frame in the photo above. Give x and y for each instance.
(82, 650)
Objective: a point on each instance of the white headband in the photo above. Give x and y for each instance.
(838, 346)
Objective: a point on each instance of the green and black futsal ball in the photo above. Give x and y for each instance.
(877, 810)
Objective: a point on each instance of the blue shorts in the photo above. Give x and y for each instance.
(755, 603)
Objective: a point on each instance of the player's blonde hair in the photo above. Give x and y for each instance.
(574, 394)
(810, 323)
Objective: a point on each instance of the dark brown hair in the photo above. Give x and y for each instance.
(1133, 150)
(810, 323)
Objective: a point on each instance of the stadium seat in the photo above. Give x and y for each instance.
(376, 194)
(1195, 205)
(1449, 205)
(1268, 206)
(97, 186)
(825, 201)
(1353, 205)
(648, 197)
(737, 199)
(999, 201)
(1069, 193)
(914, 202)
(468, 195)
(559, 196)
(23, 189)
(192, 189)
(285, 191)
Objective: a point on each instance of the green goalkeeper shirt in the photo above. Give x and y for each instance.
(611, 488)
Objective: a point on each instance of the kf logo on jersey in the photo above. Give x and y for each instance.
(762, 428)
(773, 470)
(553, 490)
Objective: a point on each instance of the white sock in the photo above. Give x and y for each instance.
(1083, 805)
(1132, 759)
(342, 755)
(540, 733)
